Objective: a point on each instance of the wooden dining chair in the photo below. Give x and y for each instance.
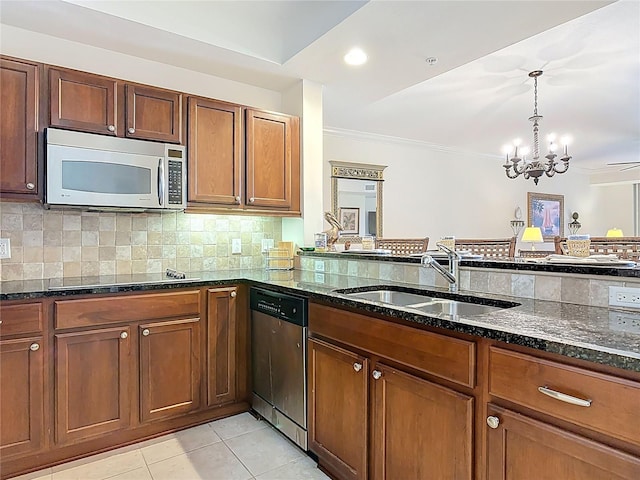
(625, 248)
(489, 247)
(403, 246)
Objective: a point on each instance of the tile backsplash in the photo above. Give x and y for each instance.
(71, 243)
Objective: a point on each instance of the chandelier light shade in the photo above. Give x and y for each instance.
(516, 154)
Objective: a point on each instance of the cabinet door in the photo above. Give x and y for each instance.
(338, 414)
(214, 152)
(169, 368)
(522, 448)
(153, 114)
(420, 430)
(81, 101)
(92, 386)
(221, 346)
(268, 170)
(19, 120)
(21, 396)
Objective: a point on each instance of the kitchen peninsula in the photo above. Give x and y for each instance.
(481, 364)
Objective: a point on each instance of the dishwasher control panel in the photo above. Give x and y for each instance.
(280, 305)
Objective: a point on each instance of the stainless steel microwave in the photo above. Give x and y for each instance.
(101, 172)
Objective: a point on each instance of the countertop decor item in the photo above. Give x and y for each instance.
(574, 225)
(532, 235)
(517, 224)
(333, 232)
(516, 166)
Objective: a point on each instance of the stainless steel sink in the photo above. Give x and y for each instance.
(427, 302)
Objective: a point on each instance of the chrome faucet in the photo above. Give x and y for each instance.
(452, 275)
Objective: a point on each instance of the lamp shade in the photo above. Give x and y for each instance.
(614, 232)
(532, 235)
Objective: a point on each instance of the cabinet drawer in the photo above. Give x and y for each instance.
(131, 308)
(614, 402)
(445, 357)
(23, 318)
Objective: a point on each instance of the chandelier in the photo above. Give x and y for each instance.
(534, 168)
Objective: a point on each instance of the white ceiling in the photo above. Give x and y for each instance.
(476, 98)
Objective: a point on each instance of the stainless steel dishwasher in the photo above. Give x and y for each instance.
(279, 361)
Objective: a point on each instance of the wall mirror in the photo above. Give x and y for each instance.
(356, 197)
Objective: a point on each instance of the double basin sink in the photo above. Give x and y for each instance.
(428, 301)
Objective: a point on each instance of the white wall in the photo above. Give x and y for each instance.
(433, 191)
(34, 46)
(615, 202)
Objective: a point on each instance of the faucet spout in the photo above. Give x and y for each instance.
(452, 274)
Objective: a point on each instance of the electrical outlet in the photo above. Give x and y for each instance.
(236, 246)
(624, 321)
(319, 277)
(624, 297)
(319, 266)
(267, 243)
(5, 248)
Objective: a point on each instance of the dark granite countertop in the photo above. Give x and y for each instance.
(600, 335)
(530, 265)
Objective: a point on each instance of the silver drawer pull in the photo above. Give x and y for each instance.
(493, 421)
(31, 186)
(124, 335)
(357, 366)
(132, 130)
(376, 374)
(233, 294)
(563, 397)
(146, 332)
(111, 128)
(34, 347)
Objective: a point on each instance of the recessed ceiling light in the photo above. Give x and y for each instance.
(355, 56)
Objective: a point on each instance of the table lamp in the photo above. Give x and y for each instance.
(532, 235)
(614, 232)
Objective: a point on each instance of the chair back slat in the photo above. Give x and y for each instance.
(403, 246)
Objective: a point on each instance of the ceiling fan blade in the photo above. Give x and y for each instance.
(629, 168)
(623, 163)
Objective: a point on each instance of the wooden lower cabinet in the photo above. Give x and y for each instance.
(338, 409)
(521, 448)
(420, 430)
(222, 385)
(21, 396)
(169, 368)
(92, 388)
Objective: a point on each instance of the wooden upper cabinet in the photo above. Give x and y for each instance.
(153, 114)
(269, 145)
(82, 101)
(520, 447)
(96, 104)
(19, 127)
(214, 152)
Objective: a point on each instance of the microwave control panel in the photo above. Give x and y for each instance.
(175, 182)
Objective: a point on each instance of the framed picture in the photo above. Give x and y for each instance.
(350, 220)
(547, 212)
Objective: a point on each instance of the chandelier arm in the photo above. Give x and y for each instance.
(566, 167)
(508, 169)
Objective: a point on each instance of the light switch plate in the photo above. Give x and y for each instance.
(624, 297)
(319, 266)
(5, 248)
(236, 246)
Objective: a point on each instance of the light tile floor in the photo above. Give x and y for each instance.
(235, 448)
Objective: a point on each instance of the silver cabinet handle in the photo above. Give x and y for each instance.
(357, 366)
(251, 200)
(111, 128)
(132, 130)
(238, 199)
(124, 335)
(233, 294)
(34, 347)
(493, 422)
(563, 397)
(146, 332)
(376, 374)
(30, 186)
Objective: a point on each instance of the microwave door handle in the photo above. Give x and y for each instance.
(160, 181)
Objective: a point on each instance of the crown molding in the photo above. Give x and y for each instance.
(389, 139)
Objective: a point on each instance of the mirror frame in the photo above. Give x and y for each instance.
(357, 171)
